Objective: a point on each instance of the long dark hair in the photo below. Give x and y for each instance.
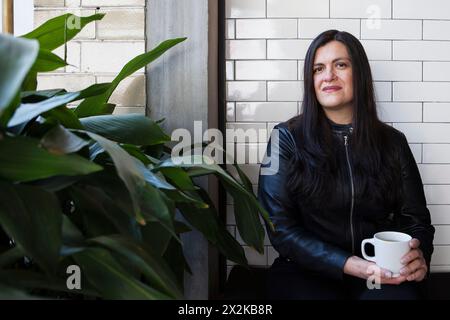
(312, 173)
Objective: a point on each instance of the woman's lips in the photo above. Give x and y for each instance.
(331, 89)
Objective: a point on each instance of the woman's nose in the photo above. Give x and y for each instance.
(329, 75)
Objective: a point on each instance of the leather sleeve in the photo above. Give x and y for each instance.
(414, 216)
(290, 238)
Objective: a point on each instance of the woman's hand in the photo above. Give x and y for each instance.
(415, 265)
(358, 267)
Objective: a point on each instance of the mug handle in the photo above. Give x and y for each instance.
(363, 250)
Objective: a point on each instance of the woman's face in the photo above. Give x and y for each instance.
(333, 76)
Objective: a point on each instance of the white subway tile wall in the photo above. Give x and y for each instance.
(246, 49)
(407, 44)
(98, 53)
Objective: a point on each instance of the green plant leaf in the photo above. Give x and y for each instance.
(247, 219)
(103, 214)
(94, 90)
(137, 152)
(240, 206)
(55, 183)
(11, 256)
(21, 159)
(93, 106)
(189, 197)
(117, 203)
(181, 227)
(152, 266)
(155, 205)
(246, 183)
(71, 235)
(40, 217)
(37, 96)
(59, 140)
(204, 164)
(27, 111)
(109, 182)
(134, 129)
(47, 61)
(127, 168)
(21, 279)
(174, 256)
(147, 200)
(17, 58)
(9, 111)
(155, 152)
(30, 82)
(187, 190)
(208, 223)
(247, 207)
(156, 237)
(112, 280)
(11, 293)
(53, 33)
(102, 109)
(65, 116)
(180, 178)
(153, 179)
(90, 210)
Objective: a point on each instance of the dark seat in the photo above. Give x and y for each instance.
(249, 284)
(246, 284)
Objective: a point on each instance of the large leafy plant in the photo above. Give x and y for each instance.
(81, 186)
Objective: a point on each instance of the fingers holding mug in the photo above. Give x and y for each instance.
(414, 243)
(411, 267)
(383, 276)
(414, 252)
(418, 275)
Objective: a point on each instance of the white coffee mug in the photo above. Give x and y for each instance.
(390, 247)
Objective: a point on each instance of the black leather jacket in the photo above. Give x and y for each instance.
(323, 239)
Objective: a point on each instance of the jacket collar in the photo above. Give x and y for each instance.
(341, 128)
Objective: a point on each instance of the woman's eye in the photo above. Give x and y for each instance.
(317, 69)
(341, 65)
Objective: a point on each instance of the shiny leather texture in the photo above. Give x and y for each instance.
(322, 239)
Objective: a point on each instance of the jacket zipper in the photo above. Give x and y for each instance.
(353, 192)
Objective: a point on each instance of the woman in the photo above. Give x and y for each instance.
(342, 176)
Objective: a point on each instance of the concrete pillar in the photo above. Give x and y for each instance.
(182, 87)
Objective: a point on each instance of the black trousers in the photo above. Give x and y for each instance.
(288, 281)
